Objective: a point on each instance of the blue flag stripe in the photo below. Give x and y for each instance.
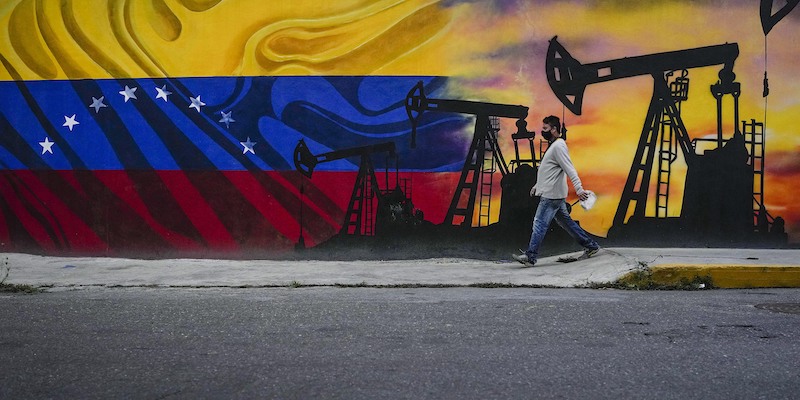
(218, 123)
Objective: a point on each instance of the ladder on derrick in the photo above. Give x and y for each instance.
(475, 185)
(668, 146)
(359, 217)
(754, 140)
(488, 168)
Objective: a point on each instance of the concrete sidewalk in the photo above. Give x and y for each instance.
(726, 268)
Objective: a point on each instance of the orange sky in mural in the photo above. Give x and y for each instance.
(493, 50)
(506, 64)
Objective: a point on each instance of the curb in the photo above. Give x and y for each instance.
(727, 276)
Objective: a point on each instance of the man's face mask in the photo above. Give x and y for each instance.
(547, 133)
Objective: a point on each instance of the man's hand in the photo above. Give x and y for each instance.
(533, 191)
(583, 195)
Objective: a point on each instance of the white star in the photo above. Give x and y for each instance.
(97, 104)
(226, 118)
(47, 146)
(163, 93)
(196, 103)
(128, 93)
(70, 122)
(248, 146)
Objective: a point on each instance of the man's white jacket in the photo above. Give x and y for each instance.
(556, 166)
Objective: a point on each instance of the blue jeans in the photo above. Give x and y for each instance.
(545, 212)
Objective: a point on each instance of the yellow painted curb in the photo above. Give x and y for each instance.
(729, 276)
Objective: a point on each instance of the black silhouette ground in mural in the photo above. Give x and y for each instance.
(436, 241)
(723, 196)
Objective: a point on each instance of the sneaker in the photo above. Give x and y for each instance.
(523, 259)
(587, 253)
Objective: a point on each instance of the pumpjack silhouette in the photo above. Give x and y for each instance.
(723, 196)
(394, 210)
(483, 160)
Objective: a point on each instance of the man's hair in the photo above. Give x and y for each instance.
(552, 120)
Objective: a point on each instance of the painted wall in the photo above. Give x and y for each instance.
(170, 127)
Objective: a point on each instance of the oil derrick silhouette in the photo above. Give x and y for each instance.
(483, 160)
(394, 210)
(723, 197)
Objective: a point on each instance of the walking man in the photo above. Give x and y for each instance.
(551, 185)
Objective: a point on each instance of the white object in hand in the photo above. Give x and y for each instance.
(589, 202)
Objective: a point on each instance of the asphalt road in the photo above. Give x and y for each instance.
(361, 343)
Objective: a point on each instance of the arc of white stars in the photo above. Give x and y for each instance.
(248, 146)
(70, 122)
(163, 93)
(128, 93)
(196, 103)
(47, 145)
(97, 104)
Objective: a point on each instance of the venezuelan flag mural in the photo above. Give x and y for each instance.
(172, 127)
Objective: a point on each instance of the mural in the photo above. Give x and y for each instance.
(230, 128)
